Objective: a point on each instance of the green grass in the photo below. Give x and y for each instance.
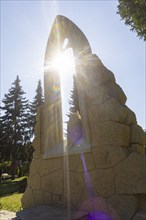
(10, 194)
(11, 186)
(11, 202)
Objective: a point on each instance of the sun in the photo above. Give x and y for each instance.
(64, 62)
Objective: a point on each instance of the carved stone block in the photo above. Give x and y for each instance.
(102, 180)
(53, 182)
(27, 199)
(130, 175)
(108, 156)
(125, 206)
(34, 181)
(111, 133)
(137, 135)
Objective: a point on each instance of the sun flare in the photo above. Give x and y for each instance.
(64, 62)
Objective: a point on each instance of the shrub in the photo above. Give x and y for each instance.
(5, 176)
(5, 167)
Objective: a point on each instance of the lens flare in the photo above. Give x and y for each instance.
(63, 62)
(99, 215)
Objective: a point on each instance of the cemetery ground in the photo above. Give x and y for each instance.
(11, 192)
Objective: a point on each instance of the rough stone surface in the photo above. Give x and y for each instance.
(27, 199)
(57, 200)
(114, 90)
(142, 202)
(37, 163)
(34, 181)
(137, 135)
(111, 133)
(53, 183)
(99, 74)
(74, 129)
(125, 206)
(93, 119)
(109, 156)
(73, 161)
(32, 168)
(98, 204)
(38, 197)
(112, 110)
(47, 213)
(85, 195)
(88, 165)
(36, 145)
(99, 95)
(140, 216)
(74, 188)
(131, 117)
(100, 176)
(130, 175)
(50, 165)
(47, 198)
(107, 127)
(137, 148)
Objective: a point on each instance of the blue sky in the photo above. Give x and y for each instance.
(25, 27)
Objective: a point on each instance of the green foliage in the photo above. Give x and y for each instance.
(15, 131)
(17, 121)
(74, 102)
(11, 202)
(133, 12)
(37, 101)
(5, 167)
(25, 168)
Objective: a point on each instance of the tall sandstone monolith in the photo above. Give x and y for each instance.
(103, 169)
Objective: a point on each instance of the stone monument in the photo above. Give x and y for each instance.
(102, 172)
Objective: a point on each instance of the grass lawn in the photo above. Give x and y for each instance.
(11, 192)
(11, 202)
(11, 186)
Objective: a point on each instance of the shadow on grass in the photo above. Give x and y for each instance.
(9, 187)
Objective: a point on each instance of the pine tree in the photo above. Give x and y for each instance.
(74, 102)
(16, 133)
(2, 143)
(37, 101)
(133, 12)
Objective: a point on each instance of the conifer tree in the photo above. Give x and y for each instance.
(74, 102)
(16, 134)
(2, 148)
(37, 101)
(133, 12)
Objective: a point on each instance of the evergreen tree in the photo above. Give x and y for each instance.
(15, 132)
(37, 101)
(74, 102)
(2, 148)
(133, 12)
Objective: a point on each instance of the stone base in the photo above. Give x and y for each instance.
(48, 213)
(140, 216)
(55, 213)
